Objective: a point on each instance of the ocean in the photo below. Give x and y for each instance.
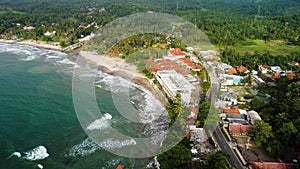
(39, 126)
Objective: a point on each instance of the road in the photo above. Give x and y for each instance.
(227, 149)
(217, 134)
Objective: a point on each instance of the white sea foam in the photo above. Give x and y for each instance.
(101, 123)
(38, 153)
(107, 116)
(87, 147)
(113, 144)
(52, 57)
(18, 154)
(40, 166)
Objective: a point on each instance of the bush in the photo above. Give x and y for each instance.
(249, 96)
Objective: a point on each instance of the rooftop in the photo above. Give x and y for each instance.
(271, 165)
(177, 52)
(240, 129)
(232, 110)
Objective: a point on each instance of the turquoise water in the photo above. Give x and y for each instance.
(36, 109)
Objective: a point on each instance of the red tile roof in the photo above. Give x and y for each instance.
(232, 110)
(276, 76)
(265, 66)
(177, 52)
(294, 63)
(242, 69)
(167, 64)
(120, 166)
(239, 129)
(232, 71)
(271, 165)
(291, 76)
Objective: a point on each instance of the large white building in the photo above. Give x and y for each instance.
(174, 83)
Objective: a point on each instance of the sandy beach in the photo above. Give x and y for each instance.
(38, 44)
(118, 67)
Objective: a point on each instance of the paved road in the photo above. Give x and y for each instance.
(227, 149)
(218, 135)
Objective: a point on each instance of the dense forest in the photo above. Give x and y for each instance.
(226, 22)
(279, 130)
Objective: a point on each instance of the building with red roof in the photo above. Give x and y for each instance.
(242, 69)
(291, 76)
(232, 110)
(276, 76)
(239, 129)
(176, 52)
(271, 165)
(120, 166)
(232, 71)
(293, 63)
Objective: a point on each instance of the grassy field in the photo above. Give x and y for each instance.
(276, 47)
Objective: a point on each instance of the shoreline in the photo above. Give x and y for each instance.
(39, 44)
(118, 67)
(109, 65)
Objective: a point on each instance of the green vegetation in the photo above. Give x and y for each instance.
(204, 108)
(281, 116)
(253, 26)
(261, 132)
(216, 161)
(177, 157)
(274, 47)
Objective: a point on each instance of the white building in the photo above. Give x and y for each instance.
(276, 69)
(28, 27)
(50, 33)
(229, 80)
(174, 83)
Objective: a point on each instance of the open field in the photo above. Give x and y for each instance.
(276, 47)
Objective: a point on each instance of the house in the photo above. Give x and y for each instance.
(264, 69)
(276, 76)
(291, 76)
(268, 80)
(276, 69)
(271, 165)
(176, 52)
(236, 118)
(232, 110)
(293, 63)
(242, 69)
(52, 33)
(230, 97)
(258, 79)
(28, 27)
(253, 116)
(239, 129)
(231, 71)
(228, 80)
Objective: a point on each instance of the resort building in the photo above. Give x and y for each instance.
(174, 83)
